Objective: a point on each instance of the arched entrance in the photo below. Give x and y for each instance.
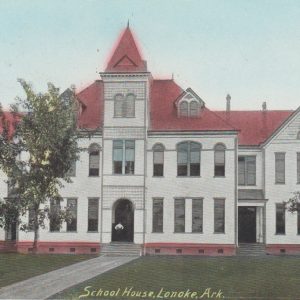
(123, 221)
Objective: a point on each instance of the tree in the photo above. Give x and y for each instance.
(38, 145)
(293, 204)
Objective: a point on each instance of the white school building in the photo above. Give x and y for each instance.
(164, 172)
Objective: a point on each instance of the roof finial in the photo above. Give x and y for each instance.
(128, 23)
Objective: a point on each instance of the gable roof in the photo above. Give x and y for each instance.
(255, 126)
(126, 56)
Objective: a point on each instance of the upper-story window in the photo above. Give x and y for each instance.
(298, 135)
(280, 167)
(188, 159)
(124, 106)
(219, 160)
(298, 167)
(123, 156)
(158, 160)
(94, 158)
(187, 109)
(247, 170)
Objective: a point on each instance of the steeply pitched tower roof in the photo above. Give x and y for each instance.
(126, 56)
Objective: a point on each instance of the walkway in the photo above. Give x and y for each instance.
(48, 284)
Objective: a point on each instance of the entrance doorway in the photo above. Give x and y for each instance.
(123, 221)
(247, 224)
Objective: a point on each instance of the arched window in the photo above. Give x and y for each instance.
(158, 160)
(219, 160)
(188, 159)
(124, 107)
(183, 109)
(94, 158)
(129, 104)
(194, 109)
(118, 105)
(298, 135)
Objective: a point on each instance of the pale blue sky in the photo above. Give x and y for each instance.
(250, 49)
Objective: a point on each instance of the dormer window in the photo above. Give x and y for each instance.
(189, 104)
(183, 109)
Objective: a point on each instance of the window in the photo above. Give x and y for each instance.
(247, 170)
(179, 215)
(219, 215)
(197, 215)
(298, 167)
(280, 218)
(72, 206)
(124, 107)
(298, 135)
(72, 170)
(93, 214)
(194, 109)
(188, 159)
(279, 167)
(54, 214)
(94, 159)
(158, 160)
(183, 109)
(158, 213)
(219, 160)
(123, 156)
(298, 218)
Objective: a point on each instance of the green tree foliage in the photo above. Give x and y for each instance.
(38, 144)
(293, 204)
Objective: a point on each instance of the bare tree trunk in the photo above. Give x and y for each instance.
(36, 232)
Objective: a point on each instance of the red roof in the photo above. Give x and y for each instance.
(91, 99)
(163, 111)
(10, 119)
(255, 126)
(126, 57)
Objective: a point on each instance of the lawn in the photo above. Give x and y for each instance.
(236, 277)
(17, 267)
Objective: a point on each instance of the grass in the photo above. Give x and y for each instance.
(17, 267)
(237, 278)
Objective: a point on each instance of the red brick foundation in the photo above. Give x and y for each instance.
(59, 247)
(281, 249)
(189, 249)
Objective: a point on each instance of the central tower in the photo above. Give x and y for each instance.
(126, 96)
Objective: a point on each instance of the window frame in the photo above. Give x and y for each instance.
(223, 217)
(124, 105)
(276, 171)
(175, 214)
(124, 153)
(88, 225)
(283, 221)
(181, 115)
(57, 206)
(246, 172)
(189, 161)
(200, 217)
(69, 225)
(159, 218)
(93, 148)
(158, 148)
(219, 164)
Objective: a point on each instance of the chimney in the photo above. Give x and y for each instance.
(264, 106)
(228, 98)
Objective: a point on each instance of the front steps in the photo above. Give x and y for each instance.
(245, 249)
(121, 249)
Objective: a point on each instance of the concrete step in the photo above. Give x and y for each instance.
(251, 250)
(121, 249)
